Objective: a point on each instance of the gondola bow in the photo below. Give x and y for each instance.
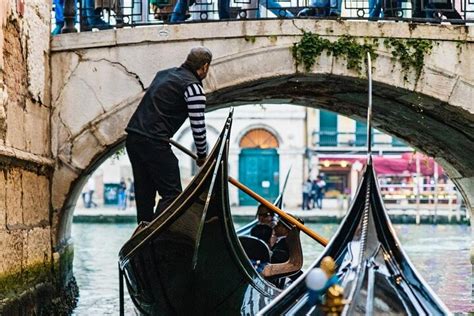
(189, 260)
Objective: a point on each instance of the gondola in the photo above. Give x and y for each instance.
(189, 259)
(375, 273)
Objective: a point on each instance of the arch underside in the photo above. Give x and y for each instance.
(426, 123)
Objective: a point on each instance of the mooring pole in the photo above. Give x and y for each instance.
(121, 294)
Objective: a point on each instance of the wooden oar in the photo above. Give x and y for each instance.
(288, 218)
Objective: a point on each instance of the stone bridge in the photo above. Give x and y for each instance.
(98, 79)
(64, 105)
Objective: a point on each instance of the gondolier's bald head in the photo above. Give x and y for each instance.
(198, 60)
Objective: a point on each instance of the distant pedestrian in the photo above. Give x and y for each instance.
(306, 193)
(122, 195)
(58, 16)
(313, 195)
(85, 196)
(131, 193)
(90, 192)
(320, 190)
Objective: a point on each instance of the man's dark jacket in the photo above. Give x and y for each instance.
(163, 109)
(280, 252)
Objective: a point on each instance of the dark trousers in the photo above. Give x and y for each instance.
(305, 205)
(155, 169)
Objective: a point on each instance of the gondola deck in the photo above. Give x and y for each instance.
(376, 274)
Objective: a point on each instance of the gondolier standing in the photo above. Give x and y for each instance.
(174, 95)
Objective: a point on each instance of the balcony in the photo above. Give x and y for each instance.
(353, 142)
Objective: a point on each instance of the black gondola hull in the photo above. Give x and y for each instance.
(189, 259)
(376, 274)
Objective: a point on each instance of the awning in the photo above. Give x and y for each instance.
(406, 164)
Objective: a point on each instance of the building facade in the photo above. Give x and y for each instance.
(269, 141)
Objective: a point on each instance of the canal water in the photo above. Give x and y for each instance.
(440, 254)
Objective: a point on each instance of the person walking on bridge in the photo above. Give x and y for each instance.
(174, 95)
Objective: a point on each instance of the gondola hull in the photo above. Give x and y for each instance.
(376, 274)
(189, 260)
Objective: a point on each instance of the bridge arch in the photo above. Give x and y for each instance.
(433, 113)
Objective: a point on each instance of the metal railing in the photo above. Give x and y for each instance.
(103, 14)
(352, 139)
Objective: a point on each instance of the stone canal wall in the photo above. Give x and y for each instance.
(27, 263)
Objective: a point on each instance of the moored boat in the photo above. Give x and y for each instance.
(375, 273)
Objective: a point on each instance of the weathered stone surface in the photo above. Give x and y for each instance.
(36, 199)
(102, 86)
(467, 187)
(463, 95)
(15, 84)
(61, 75)
(16, 126)
(79, 105)
(59, 134)
(63, 176)
(24, 142)
(223, 71)
(437, 83)
(62, 224)
(84, 149)
(11, 250)
(109, 130)
(387, 70)
(37, 133)
(37, 15)
(14, 197)
(466, 62)
(167, 33)
(3, 198)
(38, 246)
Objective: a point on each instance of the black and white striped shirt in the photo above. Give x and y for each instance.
(196, 103)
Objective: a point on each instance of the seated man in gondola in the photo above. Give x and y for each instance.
(265, 216)
(289, 263)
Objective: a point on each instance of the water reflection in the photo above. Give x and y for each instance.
(440, 254)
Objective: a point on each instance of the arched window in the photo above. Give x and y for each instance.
(259, 138)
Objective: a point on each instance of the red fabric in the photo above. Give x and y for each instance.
(386, 165)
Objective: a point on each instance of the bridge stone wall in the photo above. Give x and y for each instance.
(99, 78)
(26, 163)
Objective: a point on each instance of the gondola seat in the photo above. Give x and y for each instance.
(294, 263)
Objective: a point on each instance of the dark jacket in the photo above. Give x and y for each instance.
(163, 108)
(280, 252)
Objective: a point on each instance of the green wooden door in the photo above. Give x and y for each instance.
(327, 128)
(259, 170)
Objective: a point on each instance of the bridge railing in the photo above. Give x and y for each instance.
(104, 14)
